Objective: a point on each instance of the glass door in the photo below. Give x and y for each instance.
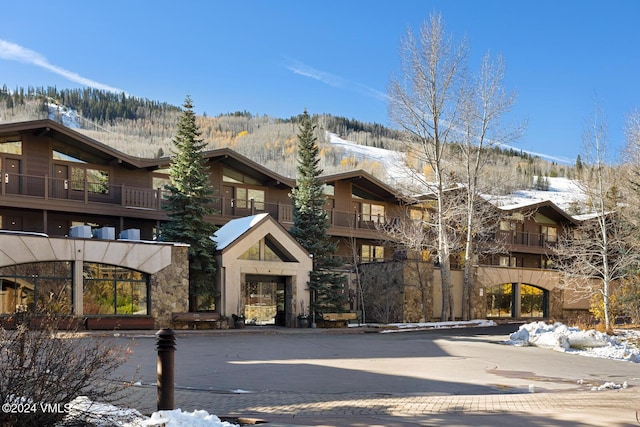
(264, 301)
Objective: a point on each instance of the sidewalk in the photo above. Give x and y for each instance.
(603, 408)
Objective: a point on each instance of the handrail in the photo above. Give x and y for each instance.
(131, 197)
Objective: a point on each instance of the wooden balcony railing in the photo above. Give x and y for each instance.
(87, 192)
(524, 239)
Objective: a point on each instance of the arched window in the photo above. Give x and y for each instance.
(517, 300)
(42, 286)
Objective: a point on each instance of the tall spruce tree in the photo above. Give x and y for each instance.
(189, 200)
(311, 224)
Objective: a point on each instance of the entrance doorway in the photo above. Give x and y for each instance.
(264, 300)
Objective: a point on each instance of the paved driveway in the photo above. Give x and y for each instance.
(308, 376)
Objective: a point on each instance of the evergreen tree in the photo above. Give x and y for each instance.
(311, 224)
(190, 196)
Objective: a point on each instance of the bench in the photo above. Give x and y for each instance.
(118, 322)
(338, 320)
(196, 320)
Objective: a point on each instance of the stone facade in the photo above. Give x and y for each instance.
(169, 288)
(401, 291)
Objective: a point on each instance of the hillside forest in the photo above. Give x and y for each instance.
(145, 128)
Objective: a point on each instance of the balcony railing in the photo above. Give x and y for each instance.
(130, 197)
(525, 239)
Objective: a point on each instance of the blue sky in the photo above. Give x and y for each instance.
(334, 56)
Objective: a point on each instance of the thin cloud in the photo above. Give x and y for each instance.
(15, 52)
(332, 80)
(305, 70)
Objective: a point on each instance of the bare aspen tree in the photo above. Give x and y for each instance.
(425, 103)
(598, 252)
(485, 103)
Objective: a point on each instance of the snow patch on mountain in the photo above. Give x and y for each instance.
(563, 192)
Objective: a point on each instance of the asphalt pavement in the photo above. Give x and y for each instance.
(360, 377)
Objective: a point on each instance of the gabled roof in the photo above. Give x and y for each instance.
(366, 181)
(249, 167)
(100, 152)
(235, 230)
(545, 207)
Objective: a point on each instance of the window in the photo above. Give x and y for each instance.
(11, 147)
(230, 175)
(507, 261)
(264, 250)
(420, 215)
(57, 155)
(245, 195)
(372, 212)
(550, 234)
(328, 189)
(371, 253)
(36, 287)
(110, 289)
(97, 180)
(507, 226)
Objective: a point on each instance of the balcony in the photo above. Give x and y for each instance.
(525, 242)
(43, 192)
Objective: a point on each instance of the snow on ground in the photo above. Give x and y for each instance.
(563, 192)
(397, 327)
(556, 336)
(106, 415)
(392, 161)
(559, 337)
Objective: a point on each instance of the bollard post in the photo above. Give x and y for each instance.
(166, 347)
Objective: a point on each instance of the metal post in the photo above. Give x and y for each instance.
(166, 347)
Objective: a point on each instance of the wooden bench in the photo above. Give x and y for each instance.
(119, 322)
(337, 320)
(194, 320)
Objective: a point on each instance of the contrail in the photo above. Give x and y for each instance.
(333, 80)
(15, 52)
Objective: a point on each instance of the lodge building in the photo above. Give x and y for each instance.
(79, 222)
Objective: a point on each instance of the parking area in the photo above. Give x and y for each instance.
(437, 377)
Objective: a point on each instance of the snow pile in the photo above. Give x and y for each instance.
(177, 418)
(104, 414)
(559, 337)
(438, 325)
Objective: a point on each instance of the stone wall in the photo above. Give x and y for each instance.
(382, 284)
(418, 291)
(170, 288)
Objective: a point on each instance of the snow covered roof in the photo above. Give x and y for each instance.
(235, 228)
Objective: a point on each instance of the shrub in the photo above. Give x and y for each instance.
(45, 368)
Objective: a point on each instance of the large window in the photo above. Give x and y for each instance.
(516, 300)
(372, 212)
(97, 180)
(110, 289)
(43, 286)
(245, 196)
